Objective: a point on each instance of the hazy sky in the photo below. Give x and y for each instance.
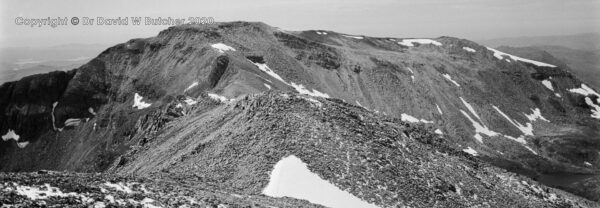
(471, 19)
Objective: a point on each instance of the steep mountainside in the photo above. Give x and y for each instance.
(227, 150)
(152, 107)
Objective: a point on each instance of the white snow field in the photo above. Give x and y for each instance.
(219, 98)
(478, 125)
(587, 91)
(439, 109)
(584, 90)
(408, 118)
(469, 49)
(548, 84)
(292, 178)
(222, 47)
(449, 78)
(409, 42)
(191, 86)
(11, 135)
(471, 151)
(138, 103)
(500, 55)
(355, 37)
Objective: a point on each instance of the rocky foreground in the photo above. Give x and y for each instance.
(63, 189)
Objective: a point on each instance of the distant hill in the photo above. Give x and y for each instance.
(587, 41)
(18, 62)
(585, 64)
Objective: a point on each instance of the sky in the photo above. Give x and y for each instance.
(470, 19)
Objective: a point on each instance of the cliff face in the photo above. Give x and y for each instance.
(522, 115)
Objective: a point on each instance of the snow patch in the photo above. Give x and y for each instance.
(409, 42)
(222, 47)
(548, 84)
(138, 103)
(72, 122)
(22, 144)
(266, 69)
(355, 37)
(439, 109)
(557, 95)
(527, 129)
(469, 49)
(584, 90)
(11, 135)
(535, 115)
(447, 76)
(302, 90)
(53, 118)
(596, 108)
(500, 55)
(478, 137)
(471, 151)
(267, 86)
(520, 139)
(412, 77)
(408, 118)
(219, 98)
(587, 91)
(471, 109)
(299, 87)
(357, 103)
(91, 110)
(191, 86)
(587, 163)
(119, 187)
(292, 178)
(190, 101)
(438, 131)
(46, 191)
(479, 127)
(321, 33)
(531, 150)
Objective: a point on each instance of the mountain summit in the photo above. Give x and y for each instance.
(386, 121)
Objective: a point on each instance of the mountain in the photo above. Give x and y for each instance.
(388, 121)
(585, 41)
(584, 64)
(227, 150)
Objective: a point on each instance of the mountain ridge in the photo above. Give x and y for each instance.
(495, 106)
